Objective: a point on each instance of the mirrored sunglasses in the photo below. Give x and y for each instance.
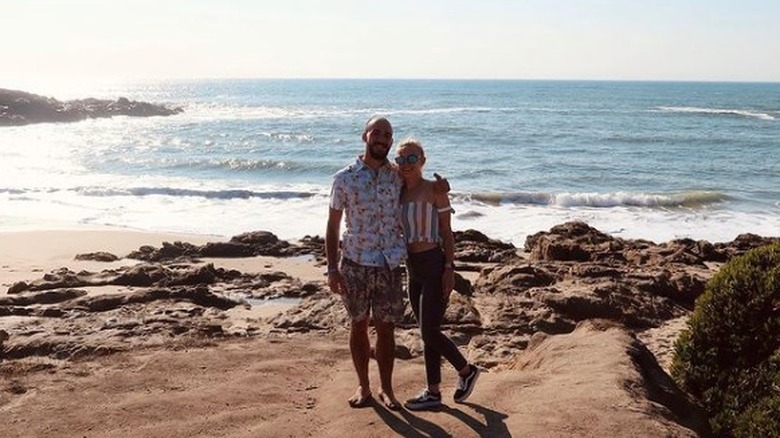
(409, 159)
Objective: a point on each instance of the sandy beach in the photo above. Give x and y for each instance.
(278, 364)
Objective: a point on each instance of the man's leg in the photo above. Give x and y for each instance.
(387, 305)
(357, 304)
(360, 346)
(385, 358)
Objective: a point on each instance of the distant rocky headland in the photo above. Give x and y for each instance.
(20, 108)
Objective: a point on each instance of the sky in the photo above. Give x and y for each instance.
(698, 40)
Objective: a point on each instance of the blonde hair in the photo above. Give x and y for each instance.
(412, 142)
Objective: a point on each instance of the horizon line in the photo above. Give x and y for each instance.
(79, 78)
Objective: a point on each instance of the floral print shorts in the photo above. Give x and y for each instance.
(377, 288)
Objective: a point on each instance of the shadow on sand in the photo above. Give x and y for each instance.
(407, 424)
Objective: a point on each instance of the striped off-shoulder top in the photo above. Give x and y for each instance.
(420, 220)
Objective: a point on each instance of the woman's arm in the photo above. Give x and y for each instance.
(442, 202)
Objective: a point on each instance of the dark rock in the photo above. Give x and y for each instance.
(462, 285)
(256, 238)
(46, 297)
(52, 313)
(513, 279)
(100, 256)
(19, 286)
(203, 297)
(250, 244)
(198, 276)
(473, 246)
(311, 288)
(20, 108)
(402, 352)
(168, 251)
(226, 250)
(58, 349)
(142, 275)
(272, 277)
(314, 245)
(744, 243)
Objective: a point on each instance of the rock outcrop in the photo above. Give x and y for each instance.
(567, 275)
(21, 108)
(600, 371)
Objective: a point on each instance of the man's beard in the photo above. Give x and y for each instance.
(378, 152)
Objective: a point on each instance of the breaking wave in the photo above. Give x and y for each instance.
(717, 111)
(600, 200)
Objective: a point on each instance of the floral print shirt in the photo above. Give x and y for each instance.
(370, 199)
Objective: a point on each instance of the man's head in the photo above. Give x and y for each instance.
(378, 136)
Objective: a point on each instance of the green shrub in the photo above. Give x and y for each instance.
(729, 355)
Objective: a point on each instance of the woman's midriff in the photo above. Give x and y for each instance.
(416, 247)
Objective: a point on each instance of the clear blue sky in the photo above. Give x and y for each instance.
(525, 39)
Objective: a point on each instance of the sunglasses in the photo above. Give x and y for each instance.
(409, 159)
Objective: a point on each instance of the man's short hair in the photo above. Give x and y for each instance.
(373, 119)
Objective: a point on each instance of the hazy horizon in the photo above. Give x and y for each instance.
(94, 41)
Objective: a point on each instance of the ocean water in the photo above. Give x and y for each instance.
(652, 160)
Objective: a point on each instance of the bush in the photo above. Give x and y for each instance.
(729, 355)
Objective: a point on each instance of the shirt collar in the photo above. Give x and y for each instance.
(361, 165)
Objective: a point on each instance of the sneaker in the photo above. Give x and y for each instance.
(466, 384)
(425, 400)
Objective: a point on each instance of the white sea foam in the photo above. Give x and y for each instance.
(477, 109)
(717, 111)
(218, 111)
(601, 200)
(515, 223)
(221, 111)
(227, 213)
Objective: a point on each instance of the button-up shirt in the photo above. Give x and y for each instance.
(370, 199)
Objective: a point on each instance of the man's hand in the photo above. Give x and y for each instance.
(336, 282)
(441, 185)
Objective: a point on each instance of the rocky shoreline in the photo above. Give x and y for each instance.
(574, 300)
(19, 108)
(562, 277)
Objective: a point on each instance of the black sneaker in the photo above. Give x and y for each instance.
(466, 384)
(426, 400)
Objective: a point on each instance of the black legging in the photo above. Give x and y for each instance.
(425, 271)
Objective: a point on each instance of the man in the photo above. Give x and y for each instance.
(373, 248)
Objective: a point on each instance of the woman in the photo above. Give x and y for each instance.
(430, 244)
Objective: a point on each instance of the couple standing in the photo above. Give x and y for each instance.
(392, 215)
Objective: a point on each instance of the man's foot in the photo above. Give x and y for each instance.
(389, 401)
(361, 399)
(466, 384)
(424, 400)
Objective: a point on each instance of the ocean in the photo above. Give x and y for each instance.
(650, 160)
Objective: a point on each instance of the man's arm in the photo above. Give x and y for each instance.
(440, 185)
(332, 234)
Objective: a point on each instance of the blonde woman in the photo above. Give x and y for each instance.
(430, 246)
